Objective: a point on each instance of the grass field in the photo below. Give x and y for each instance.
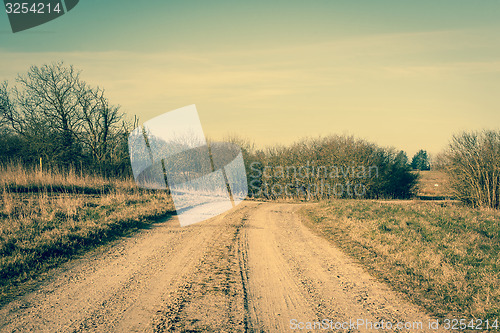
(445, 257)
(47, 217)
(433, 185)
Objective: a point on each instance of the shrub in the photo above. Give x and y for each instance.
(472, 162)
(330, 167)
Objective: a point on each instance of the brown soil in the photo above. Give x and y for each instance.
(255, 268)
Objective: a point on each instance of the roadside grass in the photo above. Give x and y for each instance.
(40, 229)
(444, 256)
(16, 178)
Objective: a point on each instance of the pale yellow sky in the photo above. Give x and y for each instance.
(409, 90)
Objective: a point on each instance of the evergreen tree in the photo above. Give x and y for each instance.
(420, 161)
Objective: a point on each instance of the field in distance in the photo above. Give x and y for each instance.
(433, 185)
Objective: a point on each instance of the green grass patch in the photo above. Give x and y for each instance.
(445, 257)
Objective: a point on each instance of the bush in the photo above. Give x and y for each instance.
(472, 162)
(330, 167)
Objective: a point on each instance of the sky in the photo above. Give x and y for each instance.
(401, 74)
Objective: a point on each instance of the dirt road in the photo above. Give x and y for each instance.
(255, 268)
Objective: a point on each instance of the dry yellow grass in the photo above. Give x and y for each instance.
(444, 256)
(40, 228)
(16, 178)
(434, 184)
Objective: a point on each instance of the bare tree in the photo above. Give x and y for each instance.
(100, 122)
(472, 162)
(9, 116)
(62, 117)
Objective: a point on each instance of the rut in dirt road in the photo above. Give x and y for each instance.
(256, 268)
(295, 277)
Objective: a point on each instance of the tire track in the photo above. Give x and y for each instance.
(311, 280)
(215, 299)
(252, 269)
(116, 290)
(242, 243)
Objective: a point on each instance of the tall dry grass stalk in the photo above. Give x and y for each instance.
(18, 178)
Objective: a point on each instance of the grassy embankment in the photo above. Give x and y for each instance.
(444, 256)
(47, 217)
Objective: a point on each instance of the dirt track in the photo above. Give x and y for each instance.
(254, 268)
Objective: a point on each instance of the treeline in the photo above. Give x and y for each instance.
(50, 116)
(53, 118)
(330, 167)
